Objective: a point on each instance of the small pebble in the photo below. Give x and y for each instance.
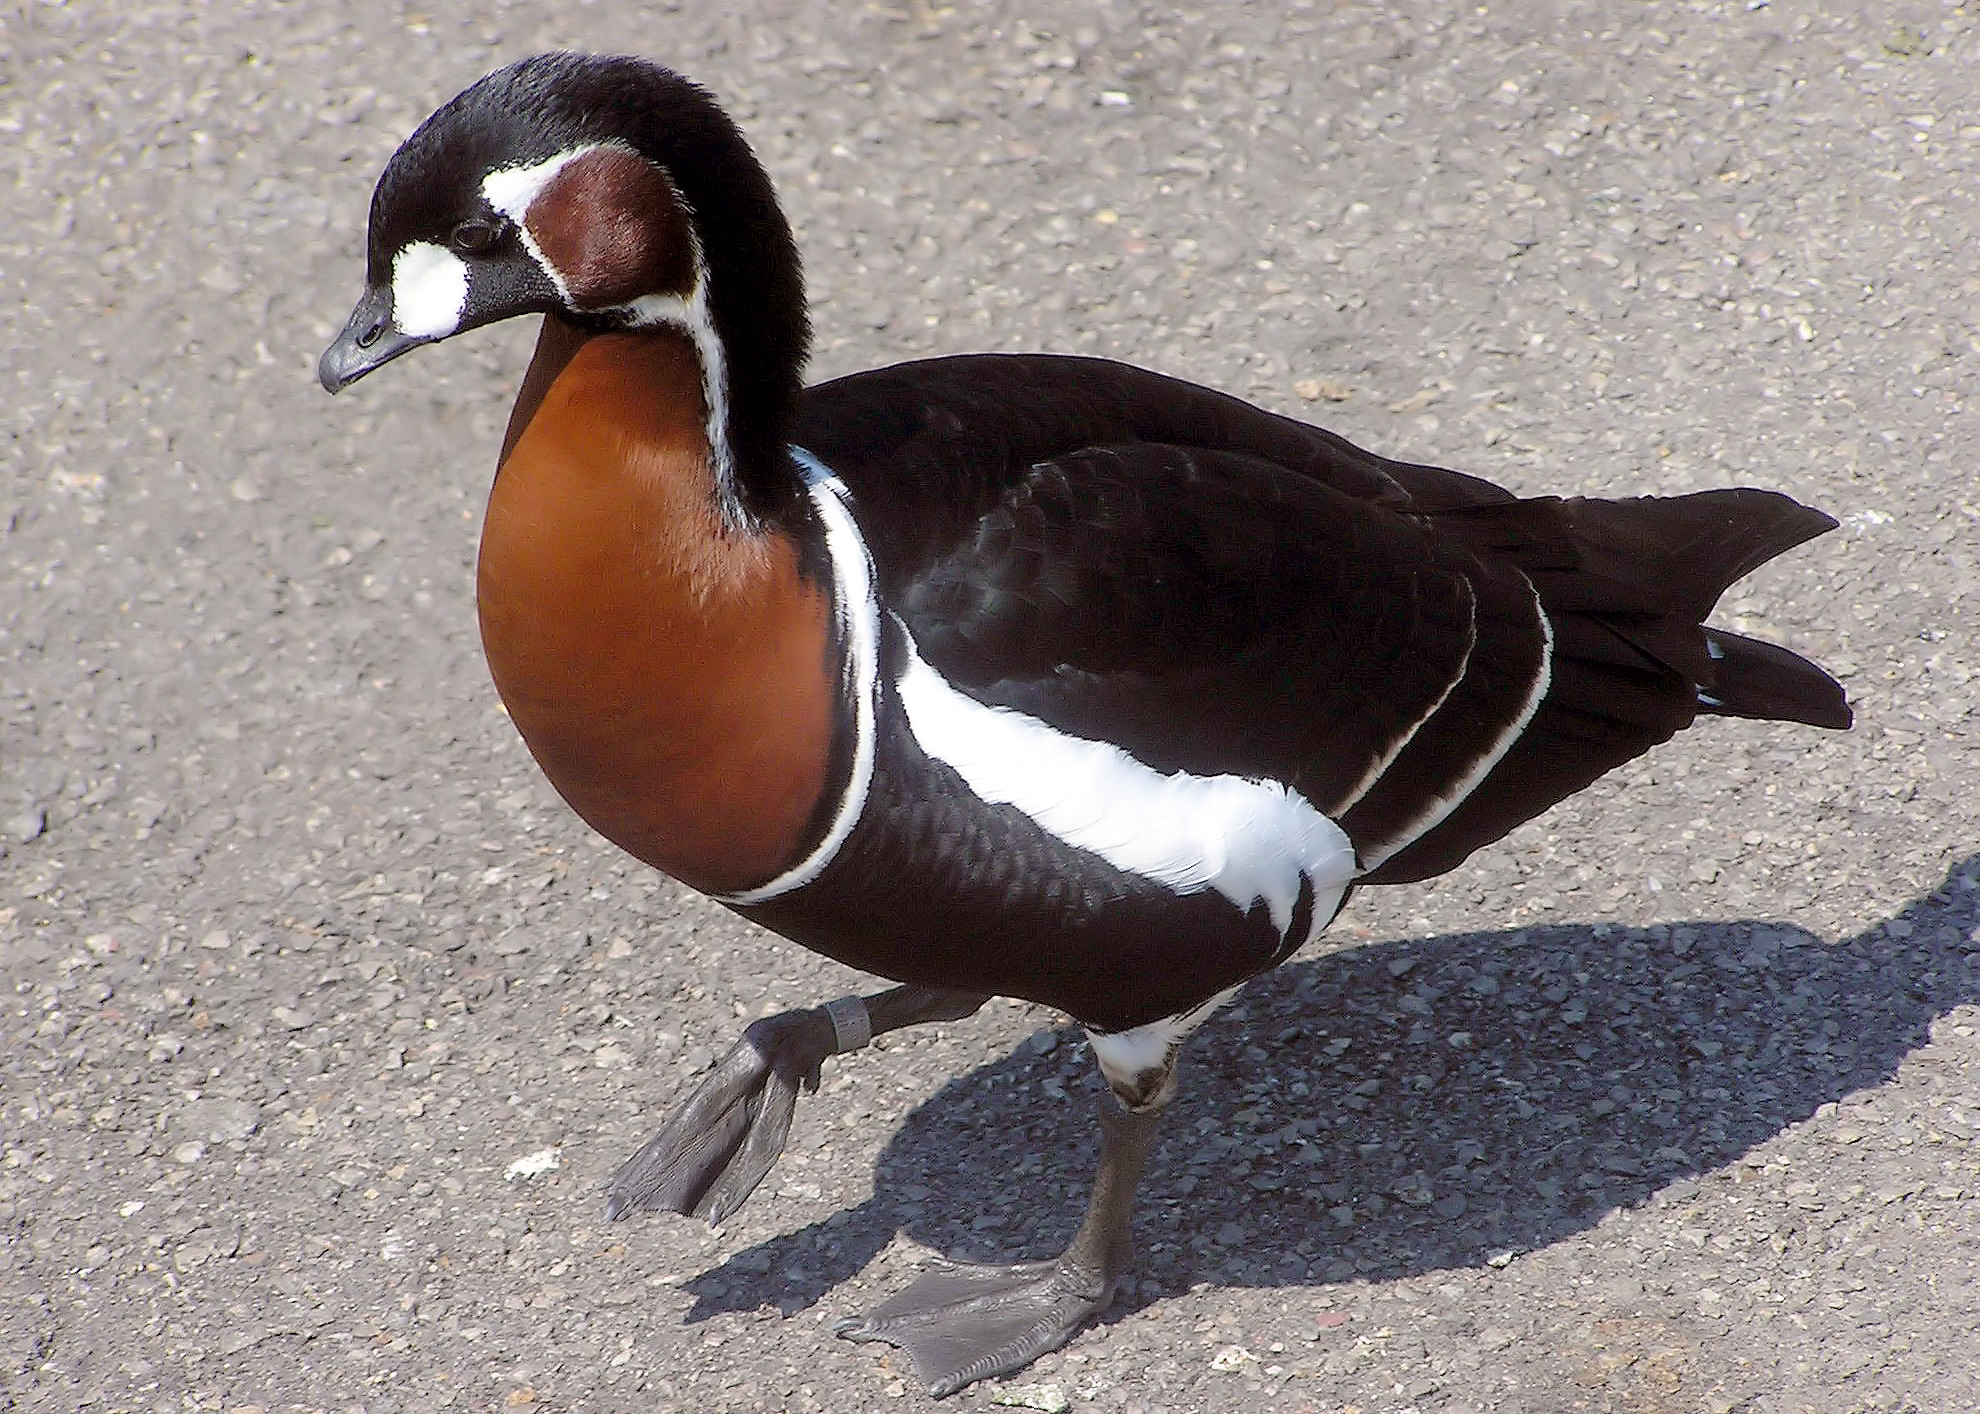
(219, 1121)
(533, 1165)
(1231, 1359)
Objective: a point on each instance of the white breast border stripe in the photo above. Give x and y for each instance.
(859, 619)
(1442, 806)
(1388, 759)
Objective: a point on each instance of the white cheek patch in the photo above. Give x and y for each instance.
(429, 290)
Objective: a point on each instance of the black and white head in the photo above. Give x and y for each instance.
(608, 191)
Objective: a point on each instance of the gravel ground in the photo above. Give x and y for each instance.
(324, 1021)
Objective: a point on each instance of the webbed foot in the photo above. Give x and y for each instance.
(720, 1143)
(964, 1322)
(961, 1323)
(725, 1138)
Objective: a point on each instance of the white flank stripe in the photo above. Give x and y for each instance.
(429, 290)
(1442, 805)
(1249, 840)
(1388, 758)
(859, 628)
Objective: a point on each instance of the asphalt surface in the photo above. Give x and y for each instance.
(1667, 1103)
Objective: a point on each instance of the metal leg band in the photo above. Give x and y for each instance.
(852, 1028)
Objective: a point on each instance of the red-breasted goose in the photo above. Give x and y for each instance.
(1011, 674)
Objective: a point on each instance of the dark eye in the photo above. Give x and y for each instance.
(475, 237)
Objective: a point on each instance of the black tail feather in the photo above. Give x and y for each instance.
(1627, 585)
(1693, 548)
(1752, 678)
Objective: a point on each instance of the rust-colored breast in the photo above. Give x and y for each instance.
(670, 674)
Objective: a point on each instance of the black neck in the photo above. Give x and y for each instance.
(755, 279)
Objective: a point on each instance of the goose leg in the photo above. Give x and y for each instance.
(726, 1136)
(963, 1322)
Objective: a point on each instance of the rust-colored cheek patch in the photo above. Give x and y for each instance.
(612, 225)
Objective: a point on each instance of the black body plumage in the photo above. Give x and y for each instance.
(1216, 588)
(1128, 559)
(1124, 684)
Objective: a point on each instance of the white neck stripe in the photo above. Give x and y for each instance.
(513, 190)
(692, 317)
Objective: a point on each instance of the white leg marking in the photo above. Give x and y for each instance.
(1249, 840)
(1125, 1055)
(1443, 804)
(429, 290)
(859, 627)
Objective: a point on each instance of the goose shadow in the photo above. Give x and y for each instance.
(1411, 1106)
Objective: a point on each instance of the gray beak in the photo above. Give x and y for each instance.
(368, 340)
